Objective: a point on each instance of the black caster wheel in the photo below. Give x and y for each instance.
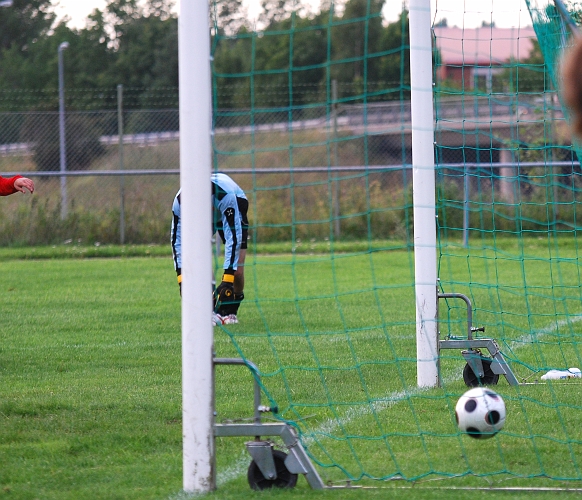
(285, 479)
(489, 378)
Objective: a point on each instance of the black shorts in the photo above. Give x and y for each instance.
(243, 208)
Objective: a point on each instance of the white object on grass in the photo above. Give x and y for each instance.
(562, 374)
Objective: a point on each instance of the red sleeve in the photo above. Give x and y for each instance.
(7, 185)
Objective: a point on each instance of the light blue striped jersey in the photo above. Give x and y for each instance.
(227, 218)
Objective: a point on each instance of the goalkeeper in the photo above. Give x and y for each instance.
(230, 207)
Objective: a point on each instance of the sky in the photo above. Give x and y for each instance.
(78, 10)
(462, 13)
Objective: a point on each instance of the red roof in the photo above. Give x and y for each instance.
(483, 46)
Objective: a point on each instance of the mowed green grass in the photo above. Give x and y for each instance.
(90, 399)
(90, 370)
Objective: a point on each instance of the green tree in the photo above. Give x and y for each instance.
(287, 63)
(92, 54)
(232, 63)
(228, 16)
(274, 11)
(291, 56)
(130, 43)
(36, 67)
(24, 28)
(394, 59)
(25, 22)
(356, 40)
(138, 60)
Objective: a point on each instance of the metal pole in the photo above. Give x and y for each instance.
(62, 139)
(336, 205)
(466, 198)
(555, 175)
(196, 203)
(423, 177)
(121, 165)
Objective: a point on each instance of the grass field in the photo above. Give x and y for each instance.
(90, 400)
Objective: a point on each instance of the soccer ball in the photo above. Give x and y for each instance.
(480, 413)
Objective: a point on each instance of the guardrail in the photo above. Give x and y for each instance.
(394, 115)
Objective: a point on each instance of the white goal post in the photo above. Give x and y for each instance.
(423, 182)
(195, 170)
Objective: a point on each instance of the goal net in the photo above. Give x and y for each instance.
(312, 118)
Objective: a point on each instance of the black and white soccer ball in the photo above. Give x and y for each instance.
(480, 413)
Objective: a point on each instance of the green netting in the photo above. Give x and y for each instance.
(312, 119)
(553, 22)
(552, 33)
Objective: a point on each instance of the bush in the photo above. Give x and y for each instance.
(82, 132)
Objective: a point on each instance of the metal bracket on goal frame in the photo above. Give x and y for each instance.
(470, 346)
(296, 462)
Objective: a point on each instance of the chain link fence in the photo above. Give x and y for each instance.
(329, 171)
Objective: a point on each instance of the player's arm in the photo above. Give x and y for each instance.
(233, 237)
(176, 239)
(231, 225)
(11, 185)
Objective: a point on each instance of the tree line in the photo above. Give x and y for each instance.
(288, 58)
(291, 62)
(126, 43)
